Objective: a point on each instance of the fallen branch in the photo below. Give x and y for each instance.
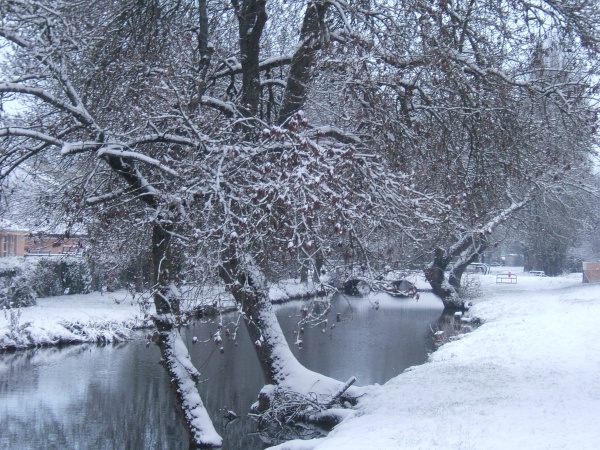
(336, 396)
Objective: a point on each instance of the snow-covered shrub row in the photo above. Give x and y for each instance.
(15, 287)
(58, 276)
(24, 279)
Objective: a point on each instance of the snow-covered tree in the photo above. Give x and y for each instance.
(240, 134)
(145, 107)
(457, 95)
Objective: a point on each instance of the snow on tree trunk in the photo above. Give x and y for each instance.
(184, 377)
(248, 285)
(436, 276)
(465, 250)
(176, 358)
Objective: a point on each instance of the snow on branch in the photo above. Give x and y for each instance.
(343, 388)
(341, 8)
(72, 148)
(10, 160)
(104, 198)
(26, 132)
(162, 138)
(76, 108)
(507, 212)
(118, 152)
(46, 97)
(488, 227)
(338, 134)
(226, 108)
(267, 64)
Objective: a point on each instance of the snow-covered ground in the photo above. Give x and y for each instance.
(528, 378)
(71, 319)
(107, 317)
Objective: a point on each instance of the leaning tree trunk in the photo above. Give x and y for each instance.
(176, 358)
(468, 257)
(249, 288)
(435, 273)
(280, 367)
(465, 251)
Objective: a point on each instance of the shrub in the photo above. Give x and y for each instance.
(22, 280)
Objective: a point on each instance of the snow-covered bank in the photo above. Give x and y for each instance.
(110, 317)
(528, 378)
(103, 318)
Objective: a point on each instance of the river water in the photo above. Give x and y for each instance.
(118, 396)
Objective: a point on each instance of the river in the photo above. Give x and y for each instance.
(118, 396)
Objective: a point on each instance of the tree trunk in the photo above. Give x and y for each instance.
(303, 61)
(467, 248)
(319, 262)
(280, 367)
(469, 256)
(139, 273)
(435, 273)
(176, 358)
(455, 275)
(304, 272)
(252, 17)
(249, 288)
(162, 262)
(465, 251)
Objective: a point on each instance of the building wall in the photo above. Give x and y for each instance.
(20, 249)
(591, 272)
(12, 243)
(52, 244)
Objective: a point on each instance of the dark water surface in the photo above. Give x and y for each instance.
(118, 396)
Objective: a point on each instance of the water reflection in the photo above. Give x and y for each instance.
(87, 397)
(119, 397)
(232, 381)
(374, 340)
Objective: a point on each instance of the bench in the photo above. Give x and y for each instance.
(537, 273)
(506, 278)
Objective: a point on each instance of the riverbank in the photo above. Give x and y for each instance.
(527, 378)
(108, 317)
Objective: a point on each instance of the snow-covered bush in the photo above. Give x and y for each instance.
(22, 280)
(470, 286)
(15, 290)
(70, 275)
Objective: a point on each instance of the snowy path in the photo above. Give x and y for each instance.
(529, 378)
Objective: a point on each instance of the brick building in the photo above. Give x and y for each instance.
(53, 244)
(17, 241)
(12, 239)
